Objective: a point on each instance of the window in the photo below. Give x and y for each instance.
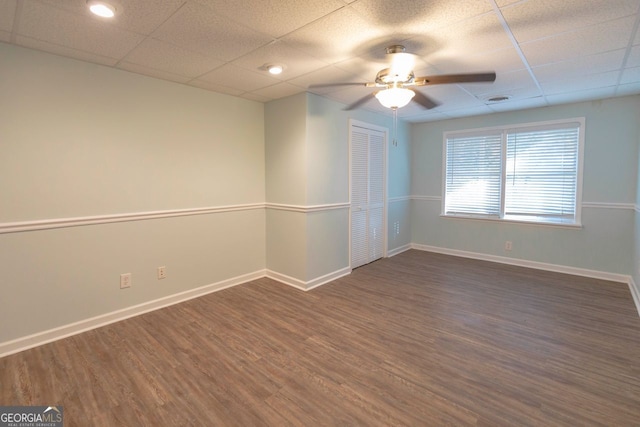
(521, 173)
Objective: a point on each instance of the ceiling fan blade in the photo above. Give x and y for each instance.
(424, 100)
(455, 78)
(358, 103)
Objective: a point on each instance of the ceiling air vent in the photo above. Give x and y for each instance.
(497, 98)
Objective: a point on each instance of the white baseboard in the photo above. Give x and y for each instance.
(399, 250)
(311, 284)
(287, 280)
(40, 338)
(595, 274)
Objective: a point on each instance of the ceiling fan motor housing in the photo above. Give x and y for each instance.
(386, 77)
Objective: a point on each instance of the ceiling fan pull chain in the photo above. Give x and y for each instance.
(395, 127)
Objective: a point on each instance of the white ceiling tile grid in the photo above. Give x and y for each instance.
(544, 52)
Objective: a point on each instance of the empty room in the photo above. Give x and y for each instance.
(327, 213)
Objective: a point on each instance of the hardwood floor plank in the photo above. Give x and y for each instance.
(417, 339)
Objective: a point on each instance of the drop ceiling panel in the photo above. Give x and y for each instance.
(254, 97)
(515, 94)
(628, 89)
(7, 12)
(166, 57)
(238, 78)
(364, 69)
(587, 41)
(65, 51)
(634, 57)
(60, 27)
(152, 72)
(518, 104)
(325, 76)
(589, 82)
(479, 34)
(583, 95)
(418, 16)
(140, 16)
(216, 87)
(429, 115)
(274, 18)
(279, 90)
(278, 52)
(630, 75)
(576, 48)
(501, 61)
(202, 29)
(451, 97)
(471, 111)
(578, 67)
(336, 37)
(533, 20)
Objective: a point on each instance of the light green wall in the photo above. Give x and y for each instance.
(605, 241)
(286, 150)
(79, 139)
(321, 238)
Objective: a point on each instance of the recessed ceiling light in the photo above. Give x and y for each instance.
(101, 8)
(275, 68)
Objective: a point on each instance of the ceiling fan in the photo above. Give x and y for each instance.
(394, 82)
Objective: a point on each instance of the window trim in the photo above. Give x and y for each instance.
(504, 129)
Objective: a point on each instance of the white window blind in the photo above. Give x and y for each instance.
(542, 173)
(473, 175)
(527, 173)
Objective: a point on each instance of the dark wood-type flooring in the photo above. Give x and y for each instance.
(419, 339)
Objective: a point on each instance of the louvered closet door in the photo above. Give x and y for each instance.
(367, 195)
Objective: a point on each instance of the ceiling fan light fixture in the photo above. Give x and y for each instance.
(101, 8)
(395, 97)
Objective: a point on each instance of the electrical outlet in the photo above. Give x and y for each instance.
(162, 272)
(508, 245)
(125, 280)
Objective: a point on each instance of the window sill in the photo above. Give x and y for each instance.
(557, 223)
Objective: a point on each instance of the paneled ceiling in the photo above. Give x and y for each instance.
(544, 52)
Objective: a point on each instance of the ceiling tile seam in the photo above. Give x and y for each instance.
(148, 36)
(636, 24)
(124, 58)
(73, 49)
(119, 64)
(15, 25)
(165, 21)
(312, 22)
(269, 43)
(517, 47)
(231, 62)
(462, 21)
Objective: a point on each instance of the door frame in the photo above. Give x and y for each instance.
(385, 173)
